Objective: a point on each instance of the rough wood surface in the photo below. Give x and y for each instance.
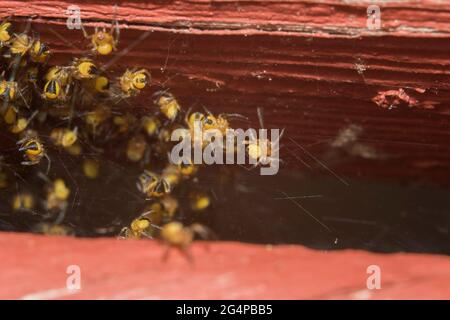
(113, 269)
(313, 66)
(332, 17)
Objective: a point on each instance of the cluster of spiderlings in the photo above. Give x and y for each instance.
(63, 126)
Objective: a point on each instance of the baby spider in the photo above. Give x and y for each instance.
(174, 234)
(171, 174)
(57, 197)
(84, 68)
(104, 42)
(20, 44)
(167, 104)
(133, 81)
(58, 83)
(261, 151)
(220, 122)
(64, 137)
(206, 122)
(153, 185)
(163, 210)
(62, 74)
(192, 120)
(199, 201)
(32, 77)
(187, 169)
(139, 227)
(23, 202)
(124, 122)
(10, 114)
(91, 168)
(39, 52)
(53, 91)
(211, 122)
(8, 89)
(100, 84)
(33, 150)
(136, 148)
(150, 125)
(22, 123)
(5, 32)
(95, 118)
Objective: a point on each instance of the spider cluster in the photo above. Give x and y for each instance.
(63, 125)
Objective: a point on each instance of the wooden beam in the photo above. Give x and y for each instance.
(314, 68)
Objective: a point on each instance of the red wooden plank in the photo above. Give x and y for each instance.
(324, 18)
(313, 66)
(114, 269)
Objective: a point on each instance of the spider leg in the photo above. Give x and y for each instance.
(60, 217)
(146, 214)
(166, 252)
(123, 234)
(186, 116)
(49, 162)
(115, 28)
(147, 234)
(23, 98)
(260, 117)
(279, 137)
(28, 163)
(207, 111)
(187, 253)
(85, 34)
(202, 231)
(44, 177)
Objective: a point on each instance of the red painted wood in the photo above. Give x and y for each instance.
(329, 17)
(34, 267)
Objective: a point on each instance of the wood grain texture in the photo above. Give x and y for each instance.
(333, 17)
(312, 65)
